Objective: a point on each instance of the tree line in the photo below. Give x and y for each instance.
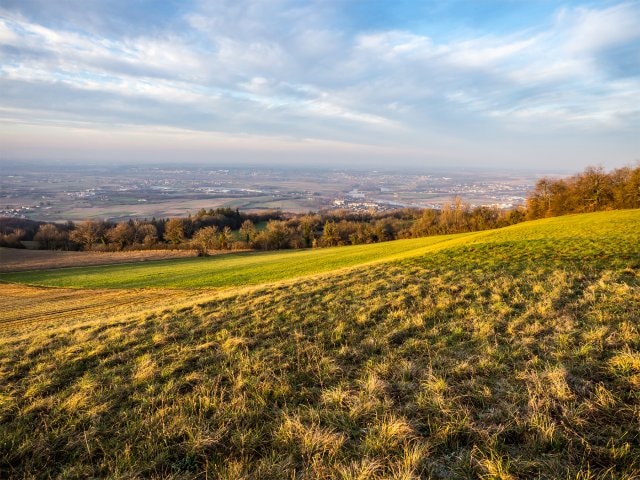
(234, 230)
(229, 229)
(590, 191)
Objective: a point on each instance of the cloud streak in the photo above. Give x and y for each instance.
(294, 70)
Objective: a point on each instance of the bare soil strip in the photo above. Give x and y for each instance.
(16, 260)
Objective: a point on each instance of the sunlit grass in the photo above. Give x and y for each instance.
(514, 355)
(565, 238)
(228, 270)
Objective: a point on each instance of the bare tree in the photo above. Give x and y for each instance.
(87, 234)
(174, 231)
(225, 238)
(247, 231)
(205, 239)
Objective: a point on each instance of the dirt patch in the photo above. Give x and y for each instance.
(16, 260)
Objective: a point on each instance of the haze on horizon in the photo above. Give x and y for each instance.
(497, 83)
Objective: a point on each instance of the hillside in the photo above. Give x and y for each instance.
(575, 236)
(511, 353)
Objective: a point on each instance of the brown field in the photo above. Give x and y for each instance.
(15, 260)
(22, 305)
(177, 208)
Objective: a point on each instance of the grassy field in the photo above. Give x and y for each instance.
(229, 270)
(508, 354)
(24, 306)
(578, 234)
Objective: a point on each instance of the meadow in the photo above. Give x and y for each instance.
(578, 233)
(236, 269)
(505, 354)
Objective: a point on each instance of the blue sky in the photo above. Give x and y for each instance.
(509, 84)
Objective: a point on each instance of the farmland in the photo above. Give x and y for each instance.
(510, 353)
(12, 259)
(118, 192)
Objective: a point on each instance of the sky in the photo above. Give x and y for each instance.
(520, 84)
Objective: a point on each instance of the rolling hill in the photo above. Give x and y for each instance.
(511, 353)
(572, 237)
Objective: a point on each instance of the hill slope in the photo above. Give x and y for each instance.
(511, 354)
(227, 270)
(577, 235)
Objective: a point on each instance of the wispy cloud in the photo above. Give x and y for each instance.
(299, 70)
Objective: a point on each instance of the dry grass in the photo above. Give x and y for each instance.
(23, 306)
(478, 362)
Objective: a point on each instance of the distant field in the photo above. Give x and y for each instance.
(13, 260)
(228, 270)
(506, 354)
(122, 211)
(580, 235)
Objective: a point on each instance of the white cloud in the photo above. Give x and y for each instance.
(274, 68)
(590, 31)
(486, 53)
(7, 35)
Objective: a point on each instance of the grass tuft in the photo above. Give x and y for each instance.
(511, 354)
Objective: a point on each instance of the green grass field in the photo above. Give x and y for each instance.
(228, 270)
(507, 354)
(579, 234)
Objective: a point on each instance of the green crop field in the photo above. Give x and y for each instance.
(505, 354)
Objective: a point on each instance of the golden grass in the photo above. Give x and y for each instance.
(25, 306)
(479, 362)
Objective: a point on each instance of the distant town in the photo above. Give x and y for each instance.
(117, 193)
